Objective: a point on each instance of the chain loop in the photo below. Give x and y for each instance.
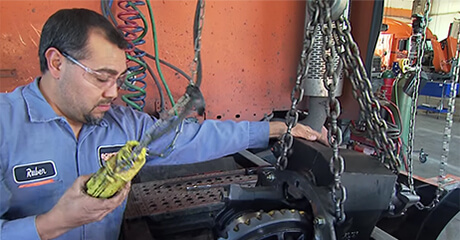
(417, 42)
(368, 103)
(330, 81)
(292, 115)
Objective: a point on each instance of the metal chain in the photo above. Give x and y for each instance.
(368, 103)
(416, 51)
(336, 163)
(292, 116)
(195, 63)
(447, 129)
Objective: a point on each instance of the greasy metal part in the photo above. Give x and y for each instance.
(196, 193)
(368, 182)
(299, 186)
(337, 8)
(191, 100)
(258, 161)
(402, 199)
(332, 71)
(426, 224)
(312, 84)
(195, 79)
(317, 113)
(276, 224)
(292, 116)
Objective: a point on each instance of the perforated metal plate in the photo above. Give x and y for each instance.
(195, 194)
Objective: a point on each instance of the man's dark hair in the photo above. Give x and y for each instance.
(67, 30)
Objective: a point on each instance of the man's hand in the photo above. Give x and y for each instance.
(277, 129)
(76, 208)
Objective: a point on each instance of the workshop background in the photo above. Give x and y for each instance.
(250, 52)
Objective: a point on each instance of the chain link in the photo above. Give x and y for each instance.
(447, 129)
(336, 163)
(292, 116)
(195, 63)
(417, 41)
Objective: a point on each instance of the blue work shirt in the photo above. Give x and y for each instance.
(40, 157)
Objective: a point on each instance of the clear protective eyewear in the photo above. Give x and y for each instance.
(99, 79)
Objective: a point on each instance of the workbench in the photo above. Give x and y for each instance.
(436, 89)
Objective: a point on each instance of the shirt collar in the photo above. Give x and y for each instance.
(39, 109)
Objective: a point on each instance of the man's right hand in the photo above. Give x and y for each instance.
(76, 208)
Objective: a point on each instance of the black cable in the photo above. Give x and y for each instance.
(160, 91)
(178, 70)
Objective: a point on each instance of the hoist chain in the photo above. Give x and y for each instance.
(447, 129)
(417, 43)
(292, 115)
(362, 92)
(336, 163)
(197, 43)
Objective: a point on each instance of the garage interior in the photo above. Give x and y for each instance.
(250, 65)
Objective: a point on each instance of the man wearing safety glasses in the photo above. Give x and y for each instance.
(55, 131)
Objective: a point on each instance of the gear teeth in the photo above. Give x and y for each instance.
(251, 222)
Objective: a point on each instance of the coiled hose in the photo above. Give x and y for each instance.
(134, 33)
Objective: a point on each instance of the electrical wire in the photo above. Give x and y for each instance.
(157, 61)
(178, 70)
(155, 79)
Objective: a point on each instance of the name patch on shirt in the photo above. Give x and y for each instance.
(34, 171)
(105, 152)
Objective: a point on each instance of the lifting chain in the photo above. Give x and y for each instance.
(194, 68)
(447, 129)
(292, 115)
(417, 41)
(336, 163)
(362, 92)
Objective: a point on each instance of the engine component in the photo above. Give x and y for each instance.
(276, 224)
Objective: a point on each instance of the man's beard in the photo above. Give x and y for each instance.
(91, 120)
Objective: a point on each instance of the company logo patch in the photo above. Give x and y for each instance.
(34, 171)
(105, 152)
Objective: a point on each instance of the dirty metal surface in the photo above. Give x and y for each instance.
(194, 194)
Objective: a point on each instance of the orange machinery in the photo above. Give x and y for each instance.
(250, 50)
(393, 43)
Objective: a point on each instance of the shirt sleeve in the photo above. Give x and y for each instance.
(23, 228)
(210, 140)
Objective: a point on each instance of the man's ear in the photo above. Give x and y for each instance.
(54, 59)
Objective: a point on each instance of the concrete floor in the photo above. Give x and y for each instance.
(429, 131)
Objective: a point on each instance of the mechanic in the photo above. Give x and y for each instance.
(56, 131)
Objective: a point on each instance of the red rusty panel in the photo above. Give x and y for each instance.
(250, 50)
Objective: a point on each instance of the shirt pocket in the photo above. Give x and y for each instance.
(36, 197)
